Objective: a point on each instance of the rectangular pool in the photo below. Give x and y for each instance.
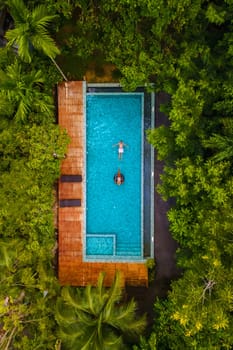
(114, 214)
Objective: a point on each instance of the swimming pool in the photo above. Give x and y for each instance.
(114, 214)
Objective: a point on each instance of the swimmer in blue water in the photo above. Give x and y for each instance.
(121, 146)
(119, 178)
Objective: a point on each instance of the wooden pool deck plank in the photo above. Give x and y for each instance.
(72, 269)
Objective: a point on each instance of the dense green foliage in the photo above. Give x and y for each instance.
(197, 150)
(27, 237)
(184, 48)
(96, 317)
(28, 173)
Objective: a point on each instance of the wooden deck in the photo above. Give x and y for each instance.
(72, 269)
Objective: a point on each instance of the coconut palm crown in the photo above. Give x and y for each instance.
(30, 30)
(95, 319)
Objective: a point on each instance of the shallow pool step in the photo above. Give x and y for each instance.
(101, 244)
(130, 250)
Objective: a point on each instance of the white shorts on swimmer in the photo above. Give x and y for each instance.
(121, 150)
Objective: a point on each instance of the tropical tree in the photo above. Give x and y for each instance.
(96, 318)
(30, 32)
(29, 286)
(22, 93)
(198, 312)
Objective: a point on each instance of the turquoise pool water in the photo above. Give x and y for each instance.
(114, 213)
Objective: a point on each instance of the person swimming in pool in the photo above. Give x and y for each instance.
(121, 146)
(119, 178)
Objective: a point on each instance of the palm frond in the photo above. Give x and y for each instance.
(42, 108)
(22, 111)
(40, 16)
(72, 296)
(14, 35)
(90, 299)
(123, 318)
(43, 42)
(72, 340)
(38, 76)
(99, 327)
(134, 327)
(72, 330)
(63, 314)
(127, 310)
(24, 48)
(112, 341)
(100, 284)
(20, 39)
(89, 342)
(18, 10)
(14, 71)
(114, 295)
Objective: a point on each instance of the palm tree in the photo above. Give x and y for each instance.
(95, 318)
(30, 32)
(22, 91)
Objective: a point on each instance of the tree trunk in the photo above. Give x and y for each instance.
(59, 69)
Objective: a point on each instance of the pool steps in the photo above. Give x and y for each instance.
(115, 251)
